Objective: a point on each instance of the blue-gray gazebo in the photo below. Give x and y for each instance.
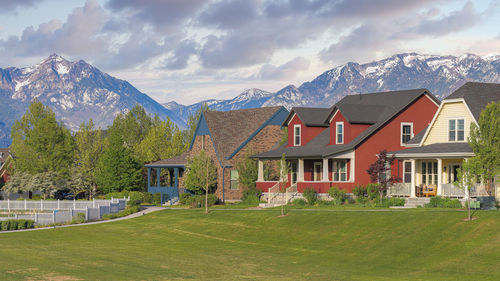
(175, 167)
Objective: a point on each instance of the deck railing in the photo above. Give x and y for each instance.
(399, 189)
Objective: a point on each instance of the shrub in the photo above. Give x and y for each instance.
(197, 201)
(21, 224)
(5, 225)
(372, 191)
(310, 195)
(185, 198)
(136, 198)
(388, 202)
(336, 193)
(36, 197)
(251, 196)
(359, 191)
(30, 224)
(299, 202)
(128, 211)
(13, 225)
(443, 202)
(79, 218)
(157, 199)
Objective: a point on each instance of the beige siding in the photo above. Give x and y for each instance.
(439, 131)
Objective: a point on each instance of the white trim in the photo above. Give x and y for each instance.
(429, 97)
(314, 171)
(294, 135)
(456, 129)
(288, 123)
(401, 132)
(403, 179)
(337, 133)
(336, 166)
(426, 155)
(336, 111)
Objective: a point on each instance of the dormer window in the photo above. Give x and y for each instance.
(340, 132)
(296, 135)
(456, 131)
(406, 132)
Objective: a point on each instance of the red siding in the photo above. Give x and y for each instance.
(351, 131)
(265, 185)
(420, 113)
(307, 133)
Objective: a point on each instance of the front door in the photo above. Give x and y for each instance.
(318, 169)
(453, 177)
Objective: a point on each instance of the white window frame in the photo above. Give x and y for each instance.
(336, 170)
(295, 135)
(315, 173)
(401, 132)
(433, 175)
(234, 183)
(456, 129)
(337, 132)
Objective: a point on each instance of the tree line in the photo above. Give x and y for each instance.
(51, 159)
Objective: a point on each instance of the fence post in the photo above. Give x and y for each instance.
(99, 211)
(25, 205)
(8, 204)
(41, 204)
(93, 203)
(54, 216)
(15, 216)
(58, 204)
(87, 213)
(36, 217)
(74, 203)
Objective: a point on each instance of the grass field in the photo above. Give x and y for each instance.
(258, 245)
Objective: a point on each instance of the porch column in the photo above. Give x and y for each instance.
(325, 169)
(176, 174)
(260, 176)
(149, 178)
(440, 177)
(413, 182)
(466, 189)
(158, 177)
(300, 176)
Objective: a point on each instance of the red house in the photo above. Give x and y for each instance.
(335, 146)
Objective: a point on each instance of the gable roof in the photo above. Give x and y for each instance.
(176, 161)
(382, 108)
(418, 137)
(432, 150)
(310, 116)
(477, 95)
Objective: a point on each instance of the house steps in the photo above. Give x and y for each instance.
(414, 202)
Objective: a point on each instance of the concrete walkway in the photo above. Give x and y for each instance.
(147, 210)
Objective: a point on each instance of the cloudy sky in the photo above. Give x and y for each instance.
(191, 50)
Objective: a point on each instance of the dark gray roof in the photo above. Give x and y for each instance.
(179, 160)
(310, 116)
(382, 106)
(418, 137)
(436, 148)
(477, 95)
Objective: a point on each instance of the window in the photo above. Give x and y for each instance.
(339, 170)
(406, 132)
(234, 179)
(203, 142)
(456, 129)
(340, 132)
(294, 172)
(429, 173)
(296, 135)
(407, 172)
(318, 170)
(387, 172)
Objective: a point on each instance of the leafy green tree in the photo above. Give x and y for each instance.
(117, 169)
(80, 183)
(248, 169)
(284, 170)
(40, 144)
(17, 183)
(47, 183)
(89, 147)
(164, 140)
(132, 126)
(201, 175)
(467, 177)
(284, 136)
(485, 143)
(193, 120)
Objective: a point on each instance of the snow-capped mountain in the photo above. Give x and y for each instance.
(75, 91)
(439, 74)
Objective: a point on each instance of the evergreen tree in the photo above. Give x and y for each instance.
(89, 147)
(485, 143)
(133, 126)
(40, 144)
(117, 169)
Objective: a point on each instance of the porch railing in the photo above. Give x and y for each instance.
(273, 192)
(291, 192)
(399, 189)
(450, 190)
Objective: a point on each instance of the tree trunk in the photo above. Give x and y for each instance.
(283, 205)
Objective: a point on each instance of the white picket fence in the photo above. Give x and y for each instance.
(45, 212)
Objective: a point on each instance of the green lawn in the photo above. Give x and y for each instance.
(258, 245)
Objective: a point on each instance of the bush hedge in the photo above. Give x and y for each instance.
(336, 193)
(251, 196)
(299, 202)
(198, 201)
(310, 195)
(443, 202)
(16, 224)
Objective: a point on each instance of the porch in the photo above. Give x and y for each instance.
(166, 181)
(428, 177)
